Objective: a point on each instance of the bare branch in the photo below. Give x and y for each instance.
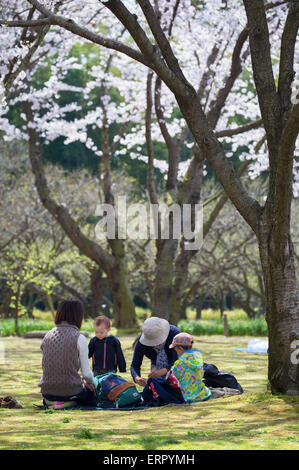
(70, 25)
(60, 213)
(11, 76)
(239, 130)
(123, 129)
(161, 39)
(283, 183)
(160, 115)
(148, 119)
(286, 69)
(262, 70)
(236, 68)
(149, 51)
(25, 23)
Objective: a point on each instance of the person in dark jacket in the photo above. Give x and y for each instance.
(157, 335)
(105, 349)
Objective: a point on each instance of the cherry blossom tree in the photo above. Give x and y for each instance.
(271, 29)
(40, 115)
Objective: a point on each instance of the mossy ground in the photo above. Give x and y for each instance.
(255, 420)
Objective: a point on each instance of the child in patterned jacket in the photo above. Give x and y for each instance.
(188, 369)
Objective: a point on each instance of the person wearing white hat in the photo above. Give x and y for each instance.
(157, 335)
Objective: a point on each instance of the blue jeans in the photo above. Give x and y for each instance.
(84, 398)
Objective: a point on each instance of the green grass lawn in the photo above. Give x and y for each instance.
(254, 420)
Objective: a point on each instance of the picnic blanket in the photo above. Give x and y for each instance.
(59, 405)
(116, 393)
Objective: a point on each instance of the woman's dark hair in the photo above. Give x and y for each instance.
(71, 311)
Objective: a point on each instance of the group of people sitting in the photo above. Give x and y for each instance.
(66, 351)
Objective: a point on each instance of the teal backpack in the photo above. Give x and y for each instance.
(115, 392)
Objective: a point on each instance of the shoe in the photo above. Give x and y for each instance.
(10, 402)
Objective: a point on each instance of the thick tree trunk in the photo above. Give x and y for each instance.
(162, 292)
(178, 308)
(282, 300)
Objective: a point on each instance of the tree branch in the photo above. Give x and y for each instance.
(239, 130)
(283, 183)
(11, 76)
(262, 71)
(148, 136)
(148, 50)
(171, 142)
(236, 68)
(161, 39)
(286, 66)
(26, 23)
(88, 247)
(70, 25)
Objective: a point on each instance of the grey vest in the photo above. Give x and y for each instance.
(61, 361)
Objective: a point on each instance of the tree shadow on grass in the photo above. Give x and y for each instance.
(149, 442)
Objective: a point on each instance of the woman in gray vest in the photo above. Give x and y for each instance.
(65, 351)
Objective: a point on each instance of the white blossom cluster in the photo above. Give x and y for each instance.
(196, 31)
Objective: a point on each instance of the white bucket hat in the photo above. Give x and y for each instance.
(154, 331)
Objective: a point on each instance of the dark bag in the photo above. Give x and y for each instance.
(161, 391)
(219, 379)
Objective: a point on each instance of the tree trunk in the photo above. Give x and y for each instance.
(50, 304)
(199, 305)
(96, 284)
(243, 304)
(30, 305)
(16, 309)
(221, 303)
(162, 291)
(123, 306)
(282, 300)
(178, 307)
(5, 307)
